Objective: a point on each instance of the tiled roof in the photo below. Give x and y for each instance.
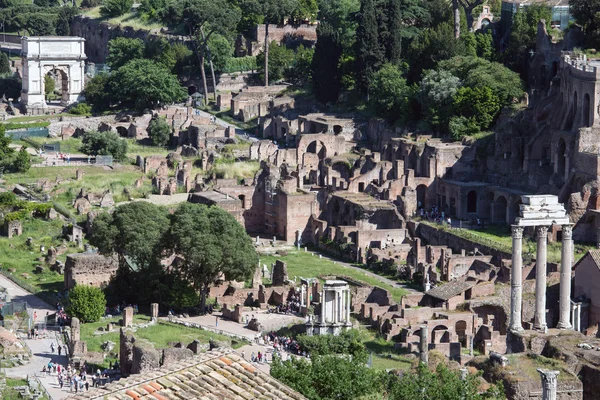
(594, 255)
(449, 290)
(215, 375)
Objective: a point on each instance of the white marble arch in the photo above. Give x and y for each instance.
(64, 55)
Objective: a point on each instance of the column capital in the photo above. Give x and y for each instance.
(541, 231)
(548, 377)
(517, 232)
(567, 231)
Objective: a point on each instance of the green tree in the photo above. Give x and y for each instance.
(440, 384)
(479, 103)
(523, 36)
(370, 54)
(4, 65)
(306, 10)
(202, 19)
(221, 50)
(40, 25)
(90, 3)
(133, 230)
(587, 14)
(5, 150)
(145, 84)
(390, 94)
(97, 92)
(115, 8)
(49, 85)
(150, 9)
(485, 45)
(300, 72)
(174, 57)
(281, 60)
(326, 73)
(10, 87)
(340, 16)
(64, 20)
(104, 143)
(86, 303)
(22, 161)
(210, 242)
(159, 131)
(273, 11)
(477, 72)
(122, 50)
(436, 96)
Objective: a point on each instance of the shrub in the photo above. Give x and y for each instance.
(104, 143)
(159, 131)
(81, 109)
(86, 303)
(115, 8)
(22, 161)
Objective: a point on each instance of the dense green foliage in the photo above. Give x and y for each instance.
(122, 50)
(159, 131)
(11, 161)
(49, 84)
(86, 303)
(390, 94)
(4, 64)
(587, 14)
(115, 8)
(81, 109)
(104, 143)
(280, 60)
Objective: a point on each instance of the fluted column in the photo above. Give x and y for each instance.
(348, 305)
(540, 278)
(549, 380)
(516, 279)
(566, 264)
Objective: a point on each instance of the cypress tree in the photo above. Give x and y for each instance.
(4, 64)
(394, 43)
(326, 74)
(369, 51)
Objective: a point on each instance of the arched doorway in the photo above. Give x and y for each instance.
(586, 110)
(461, 331)
(317, 147)
(243, 200)
(56, 87)
(440, 334)
(472, 202)
(500, 209)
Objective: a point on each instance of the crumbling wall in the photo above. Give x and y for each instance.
(89, 269)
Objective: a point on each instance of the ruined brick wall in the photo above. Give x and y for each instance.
(293, 215)
(89, 269)
(284, 34)
(483, 289)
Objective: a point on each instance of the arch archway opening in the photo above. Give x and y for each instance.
(472, 202)
(56, 86)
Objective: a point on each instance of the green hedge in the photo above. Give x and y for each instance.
(15, 125)
(240, 64)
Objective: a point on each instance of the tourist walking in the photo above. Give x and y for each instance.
(59, 349)
(216, 321)
(52, 347)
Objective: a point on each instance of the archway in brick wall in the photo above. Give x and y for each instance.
(500, 210)
(440, 334)
(560, 157)
(472, 202)
(461, 331)
(317, 147)
(586, 110)
(422, 196)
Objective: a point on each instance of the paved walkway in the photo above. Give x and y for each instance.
(40, 348)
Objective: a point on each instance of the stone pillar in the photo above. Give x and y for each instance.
(154, 311)
(323, 306)
(566, 264)
(516, 279)
(75, 330)
(540, 278)
(348, 305)
(424, 346)
(567, 165)
(549, 380)
(128, 316)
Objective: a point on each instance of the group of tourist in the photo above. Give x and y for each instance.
(61, 315)
(435, 215)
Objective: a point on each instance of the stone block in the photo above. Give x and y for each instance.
(145, 357)
(154, 310)
(280, 275)
(128, 317)
(172, 355)
(75, 329)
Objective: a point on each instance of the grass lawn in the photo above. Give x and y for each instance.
(127, 19)
(384, 355)
(304, 264)
(9, 392)
(24, 259)
(159, 334)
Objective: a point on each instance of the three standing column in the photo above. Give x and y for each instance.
(516, 279)
(566, 264)
(539, 321)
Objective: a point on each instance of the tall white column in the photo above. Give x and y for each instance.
(516, 279)
(348, 305)
(566, 265)
(423, 345)
(540, 278)
(323, 302)
(549, 380)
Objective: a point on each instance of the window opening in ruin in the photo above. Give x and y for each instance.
(122, 131)
(421, 194)
(361, 186)
(562, 149)
(586, 110)
(243, 199)
(472, 202)
(337, 129)
(572, 113)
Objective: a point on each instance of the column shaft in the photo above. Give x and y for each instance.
(549, 383)
(349, 300)
(540, 278)
(423, 345)
(566, 264)
(516, 279)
